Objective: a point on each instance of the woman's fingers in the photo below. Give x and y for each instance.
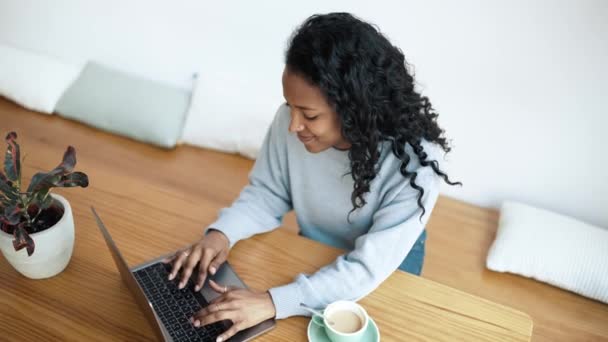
(212, 269)
(245, 308)
(219, 312)
(217, 316)
(217, 287)
(219, 259)
(212, 308)
(178, 259)
(208, 255)
(189, 265)
(235, 328)
(168, 259)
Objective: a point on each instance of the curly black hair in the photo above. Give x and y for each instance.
(365, 78)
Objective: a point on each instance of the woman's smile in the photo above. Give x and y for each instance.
(306, 138)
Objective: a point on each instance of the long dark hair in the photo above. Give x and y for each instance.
(365, 78)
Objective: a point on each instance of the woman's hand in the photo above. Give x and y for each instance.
(209, 252)
(245, 308)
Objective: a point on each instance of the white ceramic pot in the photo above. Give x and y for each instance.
(53, 247)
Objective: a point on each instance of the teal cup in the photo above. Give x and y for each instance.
(349, 321)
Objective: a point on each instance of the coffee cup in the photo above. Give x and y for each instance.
(349, 321)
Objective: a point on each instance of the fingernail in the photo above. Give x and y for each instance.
(170, 276)
(197, 287)
(197, 323)
(219, 339)
(212, 270)
(181, 286)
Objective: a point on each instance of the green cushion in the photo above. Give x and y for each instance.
(127, 105)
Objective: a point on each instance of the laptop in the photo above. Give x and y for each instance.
(167, 308)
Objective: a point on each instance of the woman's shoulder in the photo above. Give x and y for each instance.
(390, 181)
(281, 118)
(277, 131)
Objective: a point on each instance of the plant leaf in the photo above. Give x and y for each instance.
(74, 179)
(7, 189)
(41, 198)
(36, 179)
(43, 186)
(12, 215)
(43, 180)
(3, 177)
(23, 239)
(9, 192)
(12, 160)
(33, 209)
(41, 201)
(69, 160)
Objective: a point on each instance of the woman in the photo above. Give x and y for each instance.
(353, 151)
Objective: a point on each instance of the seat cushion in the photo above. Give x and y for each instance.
(125, 104)
(551, 248)
(226, 117)
(34, 80)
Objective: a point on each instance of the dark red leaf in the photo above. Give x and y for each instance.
(43, 200)
(12, 160)
(12, 214)
(33, 209)
(74, 179)
(69, 160)
(42, 180)
(9, 191)
(23, 239)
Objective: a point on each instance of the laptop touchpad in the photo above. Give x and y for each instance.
(225, 276)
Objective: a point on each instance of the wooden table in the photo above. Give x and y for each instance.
(88, 301)
(155, 201)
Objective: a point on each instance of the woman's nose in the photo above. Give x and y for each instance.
(296, 124)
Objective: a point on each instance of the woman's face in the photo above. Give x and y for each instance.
(312, 118)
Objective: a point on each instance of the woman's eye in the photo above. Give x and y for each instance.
(307, 117)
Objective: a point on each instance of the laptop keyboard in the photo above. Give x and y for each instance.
(175, 307)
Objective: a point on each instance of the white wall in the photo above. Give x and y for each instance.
(518, 84)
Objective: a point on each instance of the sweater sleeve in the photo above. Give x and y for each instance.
(264, 201)
(395, 228)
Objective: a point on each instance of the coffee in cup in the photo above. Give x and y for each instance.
(344, 321)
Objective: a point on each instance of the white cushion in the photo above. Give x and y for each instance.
(33, 80)
(551, 248)
(226, 115)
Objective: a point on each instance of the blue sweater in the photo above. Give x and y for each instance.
(379, 236)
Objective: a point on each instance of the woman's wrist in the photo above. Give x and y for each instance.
(220, 234)
(271, 306)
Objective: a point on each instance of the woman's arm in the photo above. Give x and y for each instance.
(259, 208)
(265, 200)
(377, 254)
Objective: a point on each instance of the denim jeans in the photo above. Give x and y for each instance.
(412, 262)
(415, 258)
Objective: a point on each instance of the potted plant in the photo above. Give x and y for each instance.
(36, 226)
